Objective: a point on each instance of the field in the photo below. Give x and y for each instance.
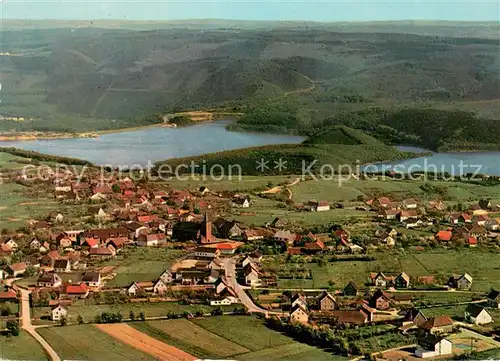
(159, 309)
(138, 340)
(140, 264)
(191, 338)
(88, 343)
(231, 337)
(22, 347)
(481, 264)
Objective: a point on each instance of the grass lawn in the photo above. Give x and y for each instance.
(293, 352)
(191, 338)
(85, 342)
(246, 331)
(22, 347)
(226, 184)
(150, 310)
(140, 264)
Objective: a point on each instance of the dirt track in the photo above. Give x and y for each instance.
(145, 343)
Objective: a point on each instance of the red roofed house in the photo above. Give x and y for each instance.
(77, 291)
(10, 296)
(314, 247)
(147, 219)
(438, 324)
(17, 269)
(444, 236)
(383, 202)
(472, 242)
(228, 247)
(90, 243)
(102, 252)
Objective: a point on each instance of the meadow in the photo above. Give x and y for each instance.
(86, 342)
(481, 264)
(22, 347)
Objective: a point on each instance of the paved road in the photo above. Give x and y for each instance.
(230, 270)
(28, 327)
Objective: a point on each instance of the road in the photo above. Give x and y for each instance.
(28, 327)
(230, 270)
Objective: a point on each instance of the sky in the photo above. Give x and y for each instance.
(316, 10)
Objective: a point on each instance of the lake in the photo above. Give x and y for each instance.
(457, 163)
(153, 144)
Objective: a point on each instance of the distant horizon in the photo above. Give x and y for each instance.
(329, 11)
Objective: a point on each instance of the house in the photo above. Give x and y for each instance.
(351, 289)
(241, 202)
(228, 248)
(438, 324)
(133, 289)
(463, 282)
(89, 243)
(159, 287)
(11, 243)
(253, 234)
(314, 247)
(320, 206)
(35, 244)
(5, 250)
(118, 243)
(477, 315)
(8, 296)
(77, 291)
(229, 300)
(285, 236)
(388, 214)
(409, 203)
(379, 280)
(353, 317)
(480, 220)
(166, 277)
(299, 314)
(150, 240)
(59, 312)
(251, 276)
(494, 299)
(62, 265)
(465, 218)
(65, 242)
(412, 223)
(436, 205)
(432, 346)
(50, 258)
(102, 252)
(226, 229)
(206, 252)
(16, 269)
(472, 241)
(380, 300)
(402, 281)
(92, 278)
(389, 241)
(279, 223)
(491, 224)
(326, 302)
(299, 300)
(444, 236)
(415, 317)
(51, 280)
(477, 210)
(382, 202)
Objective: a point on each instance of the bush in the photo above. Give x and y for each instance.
(13, 327)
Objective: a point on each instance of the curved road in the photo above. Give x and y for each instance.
(28, 327)
(230, 270)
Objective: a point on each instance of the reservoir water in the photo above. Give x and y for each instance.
(153, 144)
(457, 163)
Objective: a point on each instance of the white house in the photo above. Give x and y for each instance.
(409, 203)
(433, 346)
(166, 277)
(229, 300)
(59, 312)
(477, 315)
(159, 287)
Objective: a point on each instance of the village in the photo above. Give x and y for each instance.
(200, 262)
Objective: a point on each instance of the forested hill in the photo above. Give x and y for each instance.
(75, 78)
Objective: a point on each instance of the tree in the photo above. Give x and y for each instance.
(142, 316)
(116, 188)
(131, 315)
(79, 319)
(6, 309)
(12, 327)
(63, 321)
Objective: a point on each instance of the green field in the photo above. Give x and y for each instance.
(231, 337)
(88, 343)
(481, 264)
(245, 331)
(22, 347)
(150, 309)
(140, 264)
(191, 338)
